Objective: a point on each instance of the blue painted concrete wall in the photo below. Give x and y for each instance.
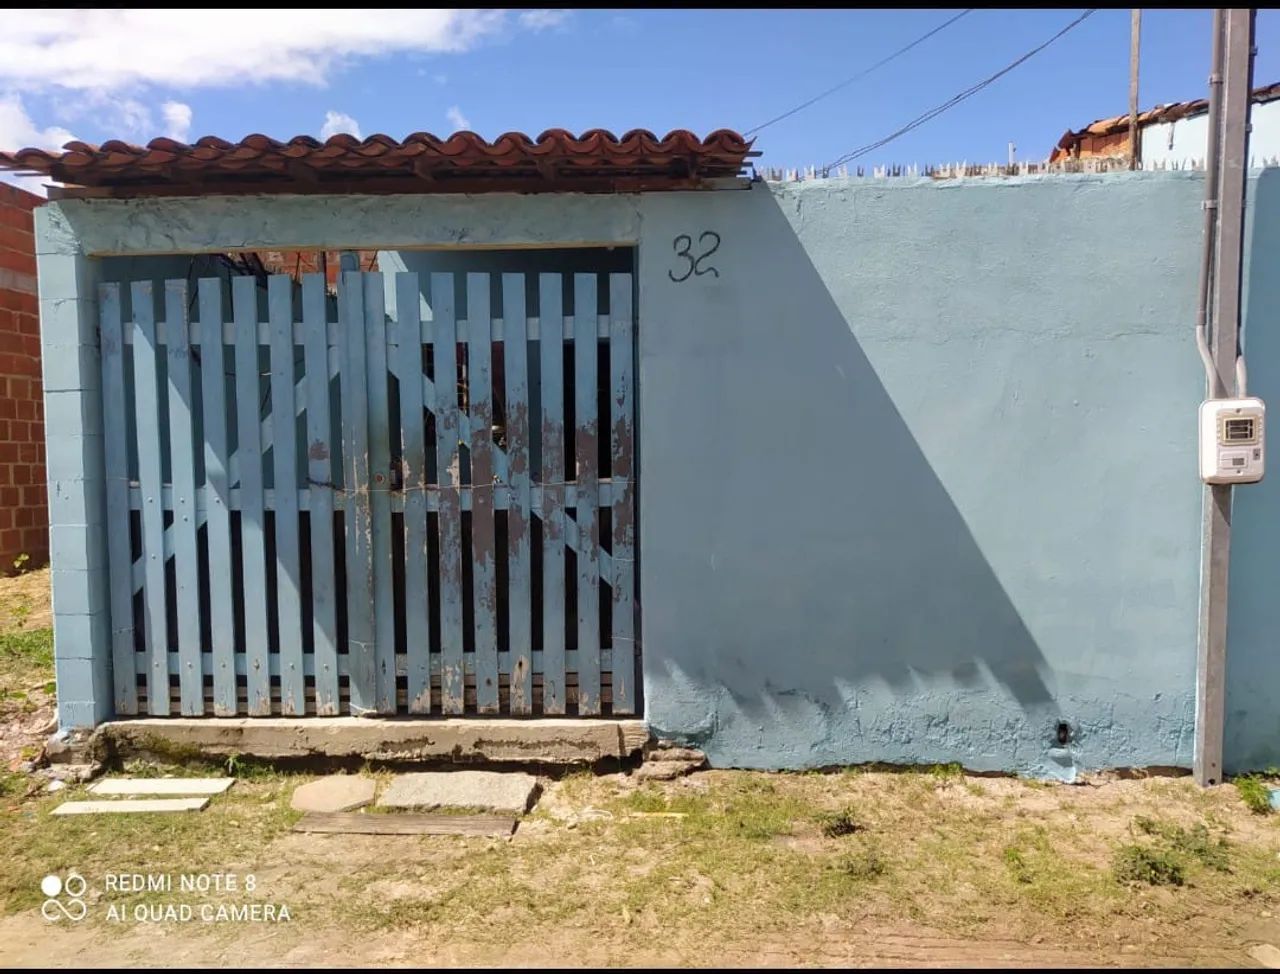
(917, 459)
(918, 474)
(1252, 739)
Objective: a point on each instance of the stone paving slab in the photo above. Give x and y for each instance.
(334, 793)
(405, 823)
(161, 786)
(124, 806)
(496, 791)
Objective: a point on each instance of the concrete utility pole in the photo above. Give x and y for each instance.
(1135, 35)
(1235, 29)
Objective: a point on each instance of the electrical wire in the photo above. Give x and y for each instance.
(861, 74)
(957, 99)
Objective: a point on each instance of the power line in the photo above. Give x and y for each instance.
(861, 74)
(957, 99)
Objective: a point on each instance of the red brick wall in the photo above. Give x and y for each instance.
(24, 505)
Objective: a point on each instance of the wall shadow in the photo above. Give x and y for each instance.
(823, 580)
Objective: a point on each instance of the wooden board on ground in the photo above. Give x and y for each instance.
(131, 806)
(499, 826)
(161, 786)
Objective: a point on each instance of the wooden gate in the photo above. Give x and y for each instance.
(363, 502)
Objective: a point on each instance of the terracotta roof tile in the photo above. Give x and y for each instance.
(555, 159)
(1161, 113)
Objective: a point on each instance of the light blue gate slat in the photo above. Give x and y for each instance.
(448, 423)
(147, 422)
(217, 489)
(519, 558)
(357, 518)
(622, 445)
(324, 618)
(384, 632)
(417, 599)
(585, 447)
(551, 349)
(119, 553)
(244, 299)
(182, 457)
(284, 455)
(484, 539)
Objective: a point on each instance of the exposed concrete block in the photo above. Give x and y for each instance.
(666, 770)
(663, 752)
(54, 235)
(68, 747)
(551, 741)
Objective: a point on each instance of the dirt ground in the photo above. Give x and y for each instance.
(732, 868)
(26, 667)
(919, 867)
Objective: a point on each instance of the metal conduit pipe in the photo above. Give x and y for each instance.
(1210, 206)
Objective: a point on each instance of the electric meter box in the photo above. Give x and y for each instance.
(1232, 440)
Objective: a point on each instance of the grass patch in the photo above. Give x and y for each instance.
(26, 658)
(227, 836)
(1172, 856)
(1017, 864)
(1144, 864)
(862, 866)
(1255, 793)
(835, 825)
(946, 772)
(744, 863)
(1193, 843)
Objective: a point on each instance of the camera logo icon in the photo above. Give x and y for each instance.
(64, 898)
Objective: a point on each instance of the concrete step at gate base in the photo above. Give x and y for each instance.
(547, 740)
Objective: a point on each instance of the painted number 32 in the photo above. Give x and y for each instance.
(683, 246)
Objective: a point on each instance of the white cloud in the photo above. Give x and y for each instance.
(177, 120)
(134, 118)
(335, 122)
(457, 119)
(115, 49)
(118, 115)
(543, 19)
(18, 131)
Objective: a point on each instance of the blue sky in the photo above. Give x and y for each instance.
(141, 74)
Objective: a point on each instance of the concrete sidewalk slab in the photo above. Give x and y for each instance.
(334, 793)
(511, 792)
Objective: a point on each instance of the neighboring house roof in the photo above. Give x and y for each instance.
(555, 160)
(1113, 133)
